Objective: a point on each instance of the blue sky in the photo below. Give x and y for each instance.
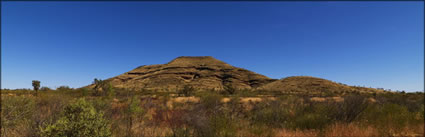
(372, 44)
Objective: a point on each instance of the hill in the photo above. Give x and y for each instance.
(203, 72)
(312, 85)
(208, 73)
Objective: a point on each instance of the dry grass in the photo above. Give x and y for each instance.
(296, 133)
(350, 130)
(318, 99)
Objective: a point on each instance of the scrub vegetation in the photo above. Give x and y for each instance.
(105, 111)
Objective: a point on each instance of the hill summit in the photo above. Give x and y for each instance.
(201, 72)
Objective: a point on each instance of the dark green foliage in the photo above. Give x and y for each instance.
(79, 119)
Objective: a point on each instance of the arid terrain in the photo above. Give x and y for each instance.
(206, 97)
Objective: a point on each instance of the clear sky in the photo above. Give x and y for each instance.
(372, 44)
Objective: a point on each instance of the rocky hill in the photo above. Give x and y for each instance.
(202, 72)
(206, 72)
(313, 85)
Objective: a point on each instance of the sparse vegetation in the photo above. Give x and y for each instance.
(63, 112)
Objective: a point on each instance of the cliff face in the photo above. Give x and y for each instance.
(200, 72)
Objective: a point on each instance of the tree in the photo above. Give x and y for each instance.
(36, 85)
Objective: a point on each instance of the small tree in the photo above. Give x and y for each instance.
(36, 85)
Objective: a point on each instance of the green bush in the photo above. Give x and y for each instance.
(79, 119)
